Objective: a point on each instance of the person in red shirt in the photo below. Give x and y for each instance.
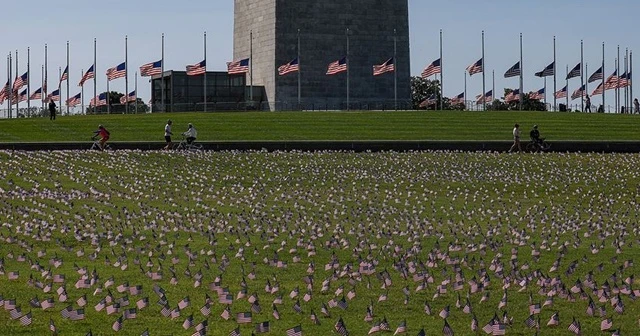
(103, 134)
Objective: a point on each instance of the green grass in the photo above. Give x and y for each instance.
(383, 206)
(259, 126)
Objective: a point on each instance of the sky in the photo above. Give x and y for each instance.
(184, 23)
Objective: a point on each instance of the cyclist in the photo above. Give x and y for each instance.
(191, 134)
(103, 134)
(535, 135)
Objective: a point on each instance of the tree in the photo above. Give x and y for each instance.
(421, 89)
(528, 104)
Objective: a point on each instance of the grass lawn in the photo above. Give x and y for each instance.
(432, 227)
(259, 126)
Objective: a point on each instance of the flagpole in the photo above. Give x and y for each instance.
(521, 76)
(618, 81)
(46, 74)
(555, 88)
(631, 79)
(251, 67)
(299, 75)
(162, 80)
(28, 81)
(126, 73)
(493, 88)
(465, 89)
(395, 72)
(567, 79)
(582, 74)
(603, 72)
(586, 84)
(627, 103)
(42, 88)
(441, 74)
(484, 90)
(108, 98)
(82, 91)
(95, 73)
(545, 92)
(205, 75)
(348, 70)
(136, 91)
(9, 64)
(17, 93)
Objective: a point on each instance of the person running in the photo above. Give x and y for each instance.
(52, 110)
(103, 134)
(168, 134)
(516, 139)
(191, 134)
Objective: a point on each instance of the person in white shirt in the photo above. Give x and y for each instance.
(168, 134)
(516, 139)
(191, 134)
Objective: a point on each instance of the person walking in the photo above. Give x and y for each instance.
(516, 139)
(636, 106)
(168, 134)
(587, 104)
(52, 110)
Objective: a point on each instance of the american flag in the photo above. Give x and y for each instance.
(606, 324)
(129, 98)
(513, 71)
(117, 72)
(574, 327)
(598, 91)
(238, 67)
(22, 97)
(117, 325)
(290, 67)
(434, 68)
(21, 81)
(539, 95)
(263, 327)
(243, 317)
(513, 96)
(197, 69)
(37, 94)
(295, 331)
(459, 99)
(447, 330)
(387, 66)
(624, 80)
(597, 75)
(26, 319)
(402, 328)
(87, 75)
(4, 93)
(488, 97)
(54, 96)
(548, 71)
(562, 93)
(151, 69)
(579, 92)
(575, 72)
(65, 75)
(74, 101)
(100, 100)
(337, 66)
(476, 67)
(612, 81)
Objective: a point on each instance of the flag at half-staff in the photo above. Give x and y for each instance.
(197, 69)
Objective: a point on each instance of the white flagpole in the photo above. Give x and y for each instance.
(95, 72)
(205, 73)
(348, 70)
(484, 90)
(28, 81)
(162, 106)
(82, 92)
(465, 89)
(251, 67)
(582, 73)
(11, 93)
(126, 73)
(442, 75)
(299, 74)
(555, 88)
(521, 77)
(136, 91)
(395, 71)
(68, 77)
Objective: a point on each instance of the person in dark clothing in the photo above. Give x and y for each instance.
(587, 104)
(52, 110)
(535, 135)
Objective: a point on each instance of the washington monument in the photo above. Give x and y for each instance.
(270, 32)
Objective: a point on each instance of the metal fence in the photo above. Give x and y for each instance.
(38, 111)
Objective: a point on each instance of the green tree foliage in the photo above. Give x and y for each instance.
(528, 104)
